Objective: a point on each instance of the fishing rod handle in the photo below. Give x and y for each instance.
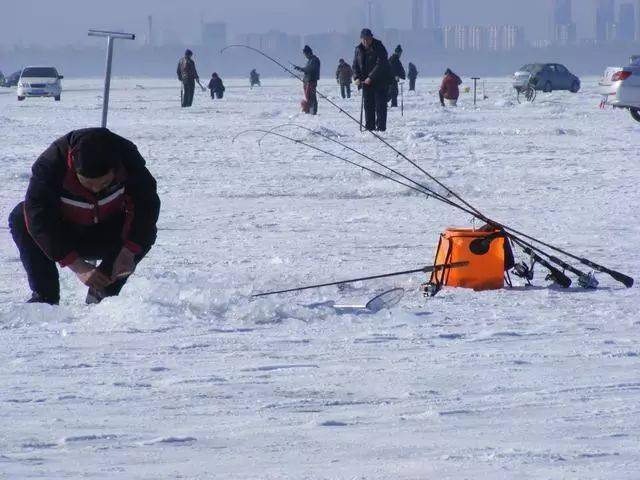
(626, 280)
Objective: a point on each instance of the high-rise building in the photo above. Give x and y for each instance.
(417, 15)
(512, 37)
(637, 21)
(565, 34)
(454, 37)
(626, 23)
(562, 12)
(505, 37)
(564, 29)
(605, 19)
(373, 15)
(150, 38)
(477, 38)
(433, 13)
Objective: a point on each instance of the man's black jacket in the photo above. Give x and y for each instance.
(397, 70)
(57, 207)
(373, 63)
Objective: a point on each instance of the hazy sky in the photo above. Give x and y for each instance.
(59, 22)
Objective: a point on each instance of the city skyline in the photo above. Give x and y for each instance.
(585, 23)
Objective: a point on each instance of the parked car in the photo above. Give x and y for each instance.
(546, 77)
(39, 82)
(620, 87)
(11, 80)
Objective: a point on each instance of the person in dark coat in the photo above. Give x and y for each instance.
(188, 75)
(449, 89)
(372, 73)
(310, 81)
(90, 197)
(254, 78)
(216, 86)
(343, 77)
(397, 74)
(412, 74)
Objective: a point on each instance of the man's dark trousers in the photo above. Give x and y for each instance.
(393, 93)
(102, 241)
(188, 89)
(345, 91)
(412, 84)
(375, 107)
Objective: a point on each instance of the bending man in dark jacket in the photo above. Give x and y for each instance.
(188, 75)
(397, 74)
(371, 72)
(216, 86)
(311, 76)
(90, 197)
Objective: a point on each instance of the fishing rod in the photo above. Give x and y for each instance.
(626, 280)
(326, 152)
(427, 269)
(327, 99)
(558, 276)
(482, 243)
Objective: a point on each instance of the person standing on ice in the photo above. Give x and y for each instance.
(90, 197)
(343, 76)
(216, 86)
(412, 74)
(397, 73)
(254, 78)
(188, 75)
(310, 81)
(372, 73)
(449, 90)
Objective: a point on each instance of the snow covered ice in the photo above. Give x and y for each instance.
(182, 376)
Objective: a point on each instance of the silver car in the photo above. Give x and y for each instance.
(620, 87)
(546, 77)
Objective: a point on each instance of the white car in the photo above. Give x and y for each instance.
(620, 87)
(39, 82)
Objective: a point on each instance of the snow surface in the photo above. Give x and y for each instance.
(183, 376)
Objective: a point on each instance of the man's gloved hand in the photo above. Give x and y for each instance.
(357, 82)
(397, 79)
(124, 264)
(368, 82)
(90, 275)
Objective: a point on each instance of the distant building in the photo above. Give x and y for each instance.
(564, 29)
(373, 15)
(478, 38)
(432, 13)
(417, 15)
(505, 37)
(626, 23)
(455, 37)
(637, 21)
(150, 40)
(214, 35)
(605, 20)
(273, 41)
(565, 34)
(562, 12)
